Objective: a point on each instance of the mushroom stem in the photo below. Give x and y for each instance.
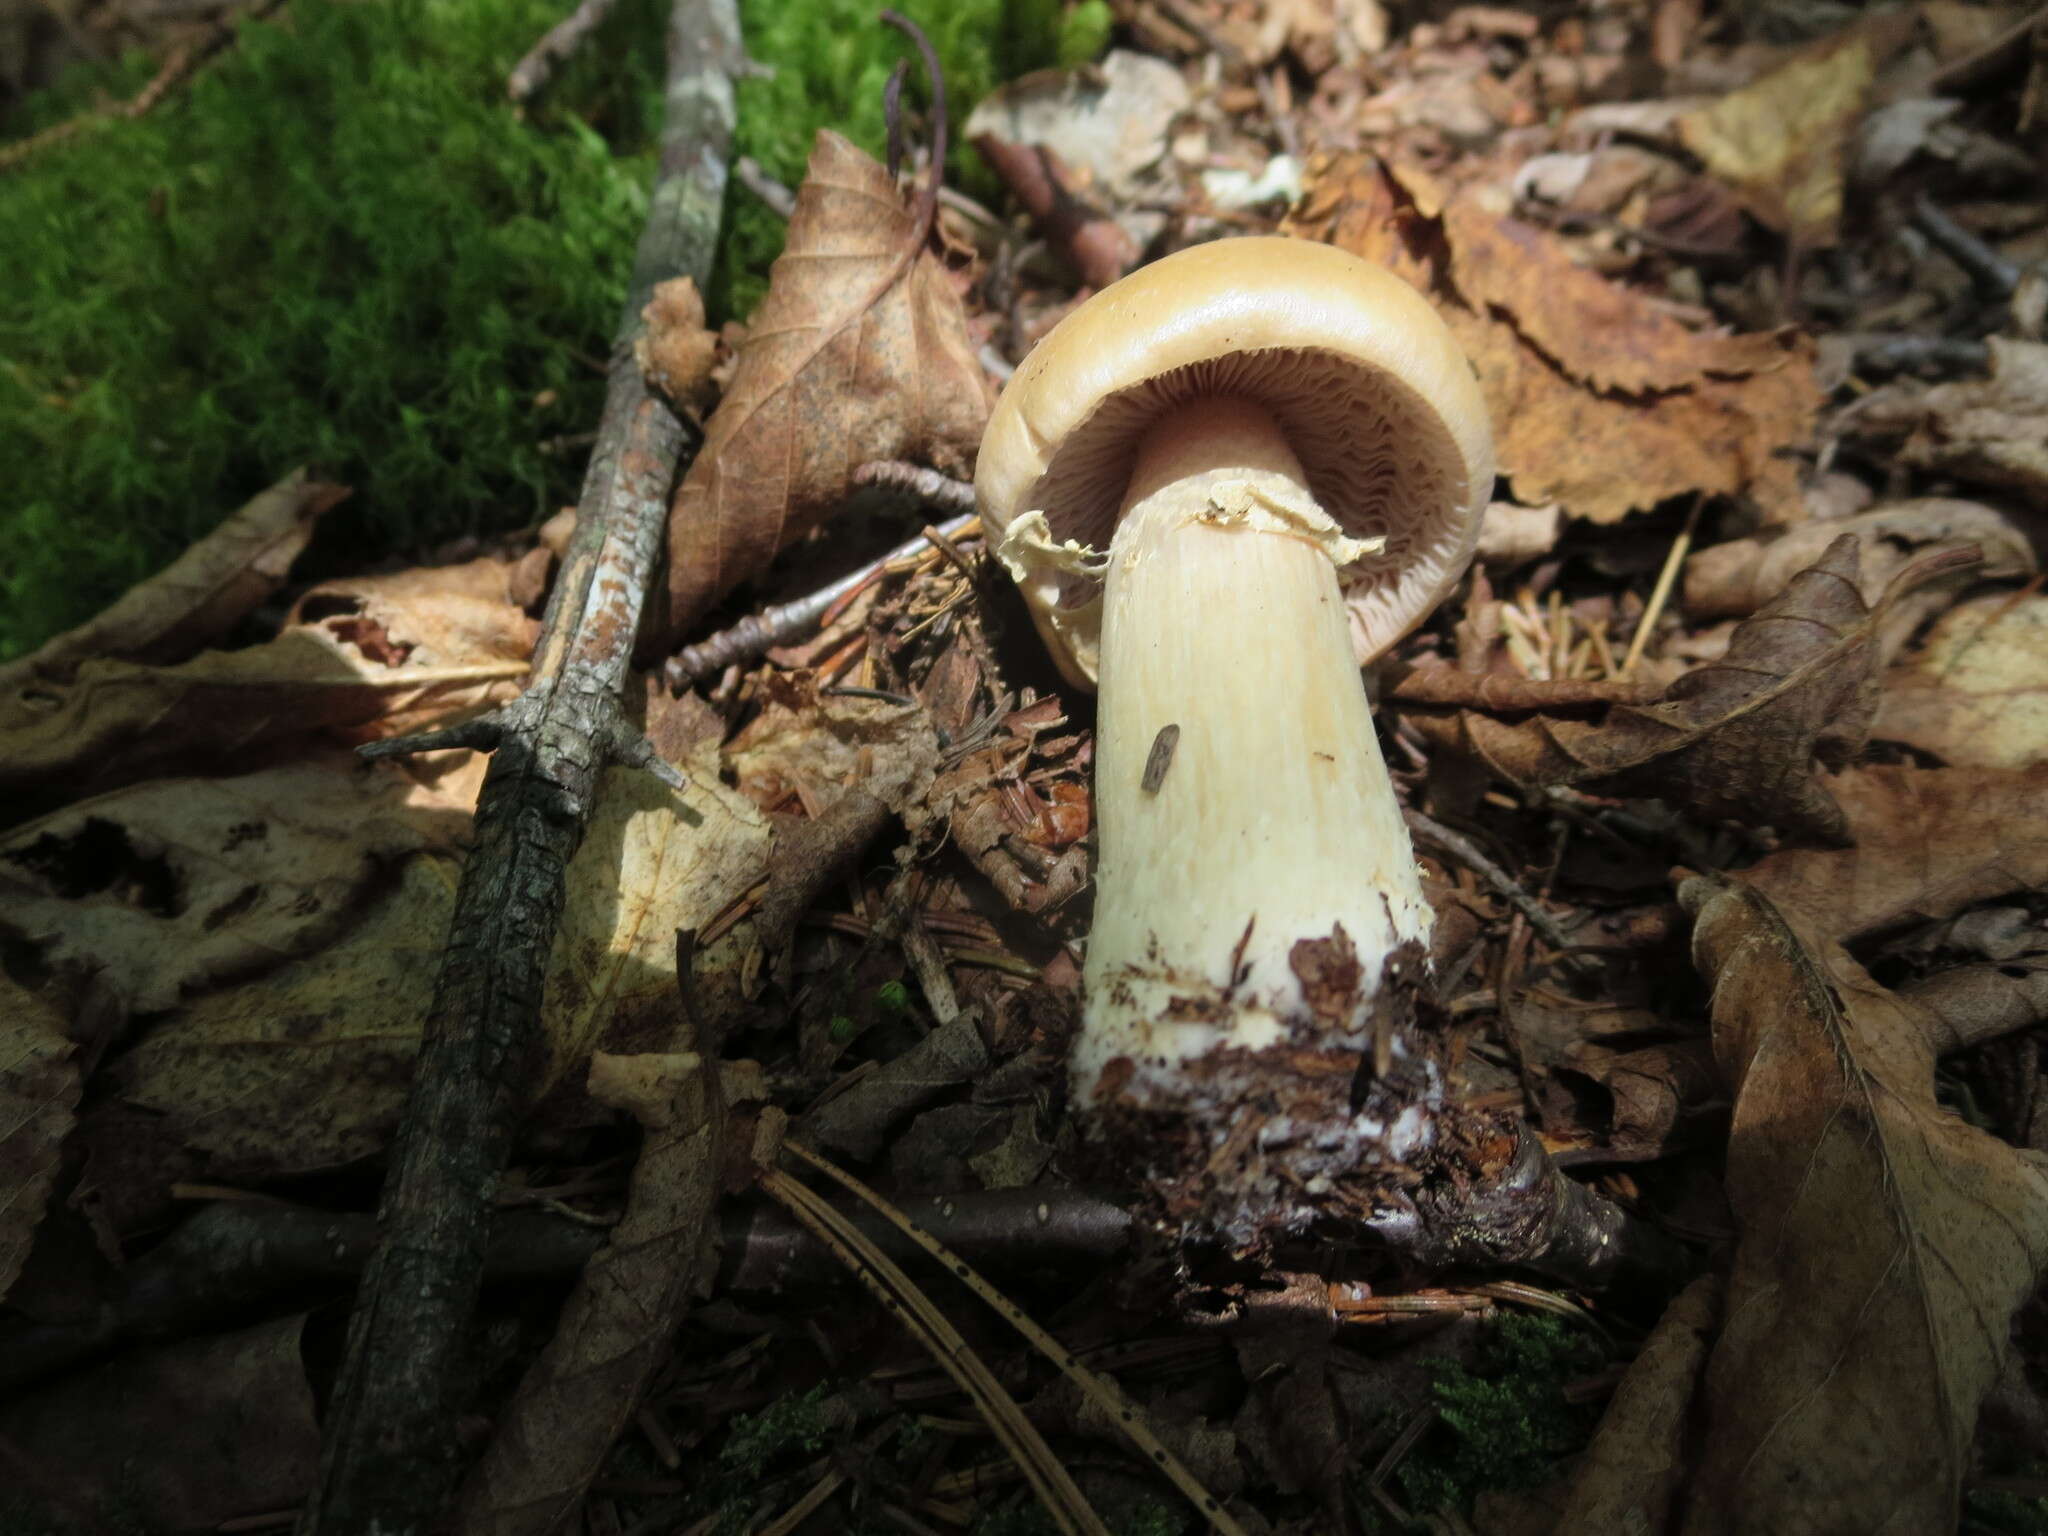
(1258, 907)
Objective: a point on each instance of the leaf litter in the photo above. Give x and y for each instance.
(217, 931)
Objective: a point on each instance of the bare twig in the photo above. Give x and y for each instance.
(555, 47)
(179, 64)
(1910, 354)
(237, 1259)
(1467, 852)
(1995, 277)
(784, 623)
(780, 200)
(935, 490)
(390, 1453)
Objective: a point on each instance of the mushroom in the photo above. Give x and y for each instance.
(1223, 484)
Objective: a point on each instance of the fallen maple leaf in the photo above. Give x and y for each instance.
(859, 352)
(1885, 1244)
(1600, 401)
(199, 596)
(1737, 737)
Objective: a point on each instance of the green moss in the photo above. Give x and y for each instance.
(1125, 1514)
(793, 1421)
(1988, 1513)
(339, 245)
(1503, 1422)
(1084, 33)
(831, 60)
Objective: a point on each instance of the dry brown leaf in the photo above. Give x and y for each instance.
(39, 1088)
(676, 351)
(1976, 692)
(383, 656)
(305, 1067)
(183, 1436)
(651, 864)
(1596, 331)
(1884, 1244)
(156, 891)
(1635, 1466)
(1929, 843)
(859, 352)
(1782, 141)
(1735, 738)
(199, 596)
(1600, 401)
(812, 746)
(1737, 577)
(617, 1326)
(1986, 431)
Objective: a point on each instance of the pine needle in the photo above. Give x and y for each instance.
(1065, 1502)
(1102, 1390)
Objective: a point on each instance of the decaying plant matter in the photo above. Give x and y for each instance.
(1328, 1174)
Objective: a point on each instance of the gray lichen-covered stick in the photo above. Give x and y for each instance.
(1222, 484)
(390, 1454)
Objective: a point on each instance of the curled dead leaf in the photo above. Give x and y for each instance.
(676, 351)
(1735, 738)
(860, 351)
(1738, 576)
(369, 657)
(200, 595)
(1884, 1246)
(1600, 401)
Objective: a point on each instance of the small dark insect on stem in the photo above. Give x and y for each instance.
(1160, 758)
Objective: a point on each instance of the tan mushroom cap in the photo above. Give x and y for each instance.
(1375, 397)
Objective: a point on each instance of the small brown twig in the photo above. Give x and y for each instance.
(928, 202)
(1467, 852)
(785, 623)
(2004, 51)
(1993, 275)
(179, 64)
(779, 199)
(1913, 354)
(557, 44)
(941, 492)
